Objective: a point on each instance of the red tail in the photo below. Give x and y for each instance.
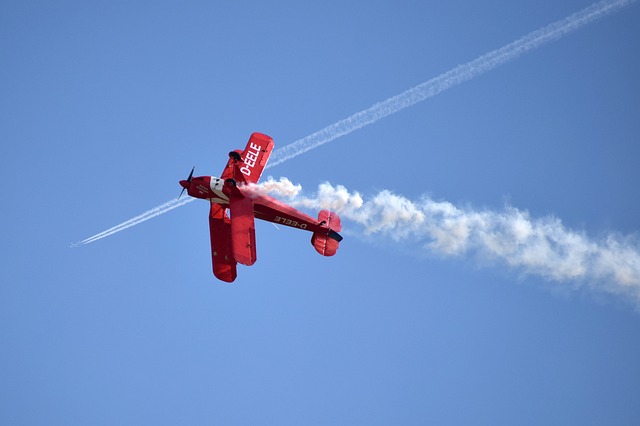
(327, 243)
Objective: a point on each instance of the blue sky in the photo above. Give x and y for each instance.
(105, 106)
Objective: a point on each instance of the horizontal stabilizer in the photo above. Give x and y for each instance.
(326, 243)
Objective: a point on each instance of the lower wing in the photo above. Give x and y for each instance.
(224, 264)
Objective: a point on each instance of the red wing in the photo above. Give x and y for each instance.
(224, 265)
(255, 156)
(243, 231)
(253, 160)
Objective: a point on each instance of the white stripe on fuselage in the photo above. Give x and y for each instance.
(216, 186)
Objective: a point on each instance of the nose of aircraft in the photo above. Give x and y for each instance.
(185, 184)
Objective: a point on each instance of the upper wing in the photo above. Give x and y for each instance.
(224, 264)
(252, 160)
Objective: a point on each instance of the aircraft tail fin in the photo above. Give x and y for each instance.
(326, 243)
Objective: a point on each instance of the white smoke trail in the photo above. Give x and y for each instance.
(282, 187)
(542, 246)
(412, 96)
(449, 79)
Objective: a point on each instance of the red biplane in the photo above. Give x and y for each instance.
(233, 238)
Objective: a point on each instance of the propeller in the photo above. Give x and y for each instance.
(186, 183)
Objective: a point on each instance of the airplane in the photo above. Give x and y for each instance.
(235, 204)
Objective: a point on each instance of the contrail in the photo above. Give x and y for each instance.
(149, 214)
(449, 79)
(410, 97)
(542, 246)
